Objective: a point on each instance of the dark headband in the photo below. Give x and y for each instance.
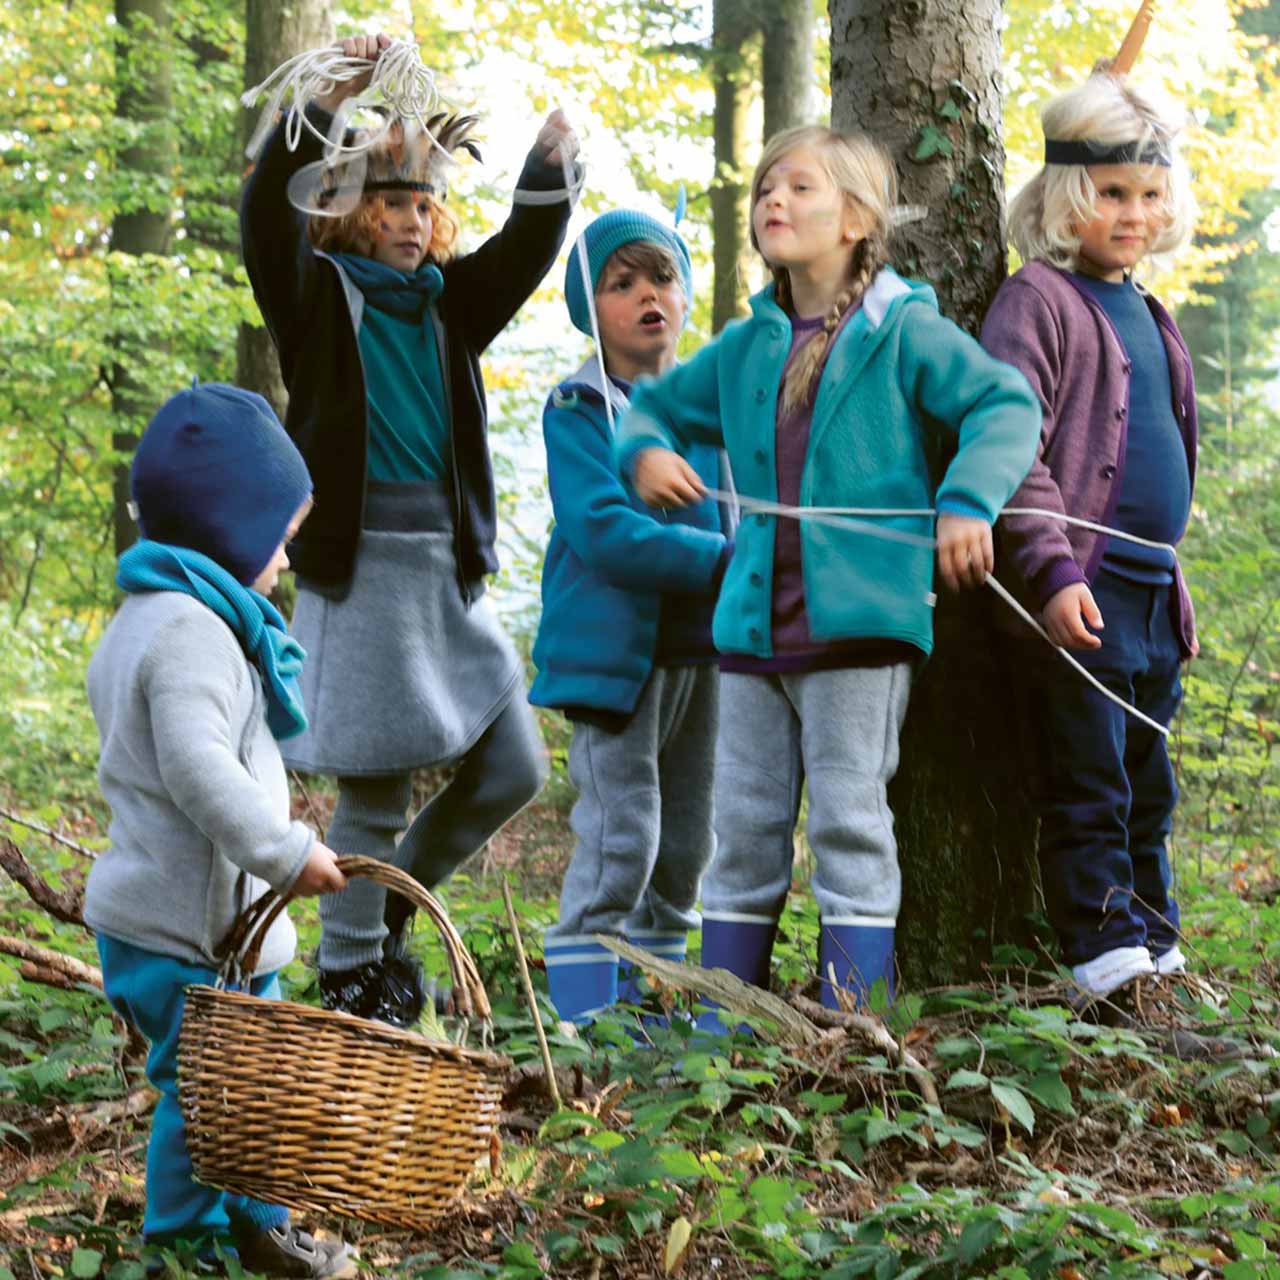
(396, 184)
(1059, 152)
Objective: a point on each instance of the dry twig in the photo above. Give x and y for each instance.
(61, 905)
(51, 967)
(41, 829)
(724, 988)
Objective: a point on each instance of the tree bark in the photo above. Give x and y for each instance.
(921, 76)
(144, 102)
(733, 25)
(787, 64)
(274, 32)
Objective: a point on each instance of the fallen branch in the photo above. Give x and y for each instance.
(63, 905)
(65, 841)
(879, 1035)
(724, 988)
(53, 968)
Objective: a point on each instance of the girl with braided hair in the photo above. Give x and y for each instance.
(838, 390)
(380, 326)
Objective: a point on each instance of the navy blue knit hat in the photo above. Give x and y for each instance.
(216, 472)
(604, 237)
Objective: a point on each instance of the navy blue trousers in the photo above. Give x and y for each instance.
(1101, 781)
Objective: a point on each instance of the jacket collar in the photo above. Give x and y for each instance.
(588, 378)
(885, 290)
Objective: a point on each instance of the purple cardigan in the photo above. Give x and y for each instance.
(1047, 326)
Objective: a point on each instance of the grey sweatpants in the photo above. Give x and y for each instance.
(493, 781)
(644, 812)
(839, 730)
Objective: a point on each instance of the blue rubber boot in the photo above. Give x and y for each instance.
(859, 954)
(670, 945)
(582, 977)
(744, 947)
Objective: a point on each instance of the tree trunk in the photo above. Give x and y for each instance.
(787, 65)
(274, 32)
(921, 76)
(733, 25)
(144, 102)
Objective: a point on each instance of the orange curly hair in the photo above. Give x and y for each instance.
(357, 231)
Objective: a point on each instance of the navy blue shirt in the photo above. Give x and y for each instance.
(1155, 492)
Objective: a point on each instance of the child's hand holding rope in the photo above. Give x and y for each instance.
(662, 478)
(965, 551)
(557, 140)
(369, 48)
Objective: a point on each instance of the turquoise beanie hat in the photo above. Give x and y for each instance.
(604, 237)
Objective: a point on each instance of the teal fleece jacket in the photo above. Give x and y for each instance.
(610, 559)
(894, 396)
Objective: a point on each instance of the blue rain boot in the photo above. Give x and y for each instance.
(670, 945)
(859, 954)
(582, 977)
(744, 947)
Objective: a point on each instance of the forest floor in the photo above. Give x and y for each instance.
(1029, 1142)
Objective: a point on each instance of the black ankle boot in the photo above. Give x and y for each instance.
(388, 990)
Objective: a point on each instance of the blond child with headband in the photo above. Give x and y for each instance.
(380, 328)
(1117, 447)
(834, 392)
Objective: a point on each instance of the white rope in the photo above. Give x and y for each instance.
(399, 80)
(858, 518)
(849, 518)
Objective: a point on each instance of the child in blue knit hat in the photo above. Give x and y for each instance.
(624, 648)
(193, 683)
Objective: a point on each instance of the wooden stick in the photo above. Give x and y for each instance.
(73, 972)
(552, 1087)
(879, 1035)
(64, 906)
(725, 988)
(1131, 46)
(52, 835)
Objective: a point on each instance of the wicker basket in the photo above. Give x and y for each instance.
(321, 1110)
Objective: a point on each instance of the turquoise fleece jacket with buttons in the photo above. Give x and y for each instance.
(610, 559)
(895, 393)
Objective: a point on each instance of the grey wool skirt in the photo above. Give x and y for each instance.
(401, 673)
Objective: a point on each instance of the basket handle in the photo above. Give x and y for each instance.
(255, 921)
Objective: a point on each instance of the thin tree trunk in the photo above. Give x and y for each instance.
(787, 64)
(144, 102)
(274, 32)
(733, 25)
(922, 78)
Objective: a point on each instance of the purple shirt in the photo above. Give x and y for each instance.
(794, 648)
(1048, 327)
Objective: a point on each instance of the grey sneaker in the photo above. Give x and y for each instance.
(290, 1252)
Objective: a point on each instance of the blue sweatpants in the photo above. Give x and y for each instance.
(148, 990)
(1102, 781)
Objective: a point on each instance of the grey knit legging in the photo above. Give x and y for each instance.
(494, 780)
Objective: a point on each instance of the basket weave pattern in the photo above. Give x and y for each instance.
(320, 1110)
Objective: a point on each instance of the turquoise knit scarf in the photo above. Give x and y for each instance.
(257, 624)
(390, 290)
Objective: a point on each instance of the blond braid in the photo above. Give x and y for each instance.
(801, 381)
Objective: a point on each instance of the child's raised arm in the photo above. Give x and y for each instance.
(499, 276)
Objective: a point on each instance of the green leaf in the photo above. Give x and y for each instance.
(1014, 1101)
(1050, 1089)
(85, 1263)
(967, 1079)
(977, 1237)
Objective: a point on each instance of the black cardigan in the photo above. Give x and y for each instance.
(303, 300)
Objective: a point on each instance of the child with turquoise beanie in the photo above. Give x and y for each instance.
(838, 390)
(192, 687)
(624, 647)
